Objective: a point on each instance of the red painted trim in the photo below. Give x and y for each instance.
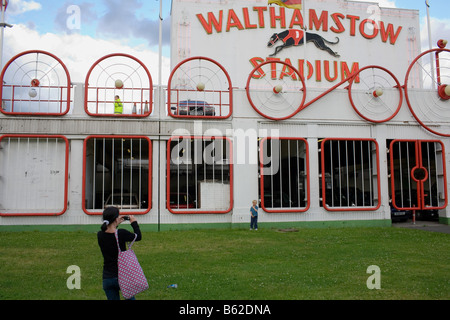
(69, 85)
(398, 86)
(83, 197)
(169, 91)
(340, 209)
(247, 89)
(420, 189)
(308, 199)
(198, 211)
(66, 176)
(408, 100)
(86, 89)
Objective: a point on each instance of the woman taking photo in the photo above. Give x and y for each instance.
(108, 245)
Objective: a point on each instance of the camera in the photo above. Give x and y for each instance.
(126, 218)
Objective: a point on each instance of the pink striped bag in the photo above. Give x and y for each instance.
(131, 276)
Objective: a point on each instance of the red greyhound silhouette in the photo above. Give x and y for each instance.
(295, 37)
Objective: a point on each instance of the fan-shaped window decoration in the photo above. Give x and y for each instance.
(35, 83)
(427, 90)
(276, 90)
(200, 88)
(119, 75)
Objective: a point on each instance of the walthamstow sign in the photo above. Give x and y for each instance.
(279, 17)
(341, 36)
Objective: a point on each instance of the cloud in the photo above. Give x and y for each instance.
(78, 52)
(387, 4)
(440, 29)
(83, 12)
(382, 3)
(16, 7)
(123, 22)
(129, 24)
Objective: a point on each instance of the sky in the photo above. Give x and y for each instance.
(79, 31)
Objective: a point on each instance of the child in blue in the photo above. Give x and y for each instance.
(254, 213)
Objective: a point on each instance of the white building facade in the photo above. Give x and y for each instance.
(328, 116)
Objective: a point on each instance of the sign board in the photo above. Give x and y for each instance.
(341, 37)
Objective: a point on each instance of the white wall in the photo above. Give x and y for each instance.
(331, 116)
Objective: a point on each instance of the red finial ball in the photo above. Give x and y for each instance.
(442, 43)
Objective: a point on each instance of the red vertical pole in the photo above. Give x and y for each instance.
(438, 69)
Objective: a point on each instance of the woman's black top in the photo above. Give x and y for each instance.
(108, 246)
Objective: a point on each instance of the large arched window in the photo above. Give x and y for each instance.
(35, 83)
(200, 88)
(119, 75)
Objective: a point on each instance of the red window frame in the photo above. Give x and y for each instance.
(419, 183)
(199, 211)
(66, 175)
(176, 103)
(35, 83)
(323, 178)
(93, 212)
(142, 103)
(285, 210)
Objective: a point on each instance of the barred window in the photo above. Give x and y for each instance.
(284, 175)
(418, 175)
(34, 175)
(349, 174)
(117, 172)
(199, 175)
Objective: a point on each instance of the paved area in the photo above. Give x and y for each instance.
(423, 225)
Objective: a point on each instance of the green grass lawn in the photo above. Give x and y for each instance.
(237, 264)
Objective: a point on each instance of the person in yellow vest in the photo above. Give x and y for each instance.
(118, 106)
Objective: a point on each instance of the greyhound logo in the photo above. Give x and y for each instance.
(295, 37)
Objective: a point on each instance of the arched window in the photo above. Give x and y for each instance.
(35, 83)
(200, 88)
(123, 76)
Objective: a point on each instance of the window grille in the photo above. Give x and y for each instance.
(418, 175)
(199, 175)
(119, 75)
(284, 175)
(34, 175)
(349, 174)
(35, 83)
(200, 87)
(117, 172)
